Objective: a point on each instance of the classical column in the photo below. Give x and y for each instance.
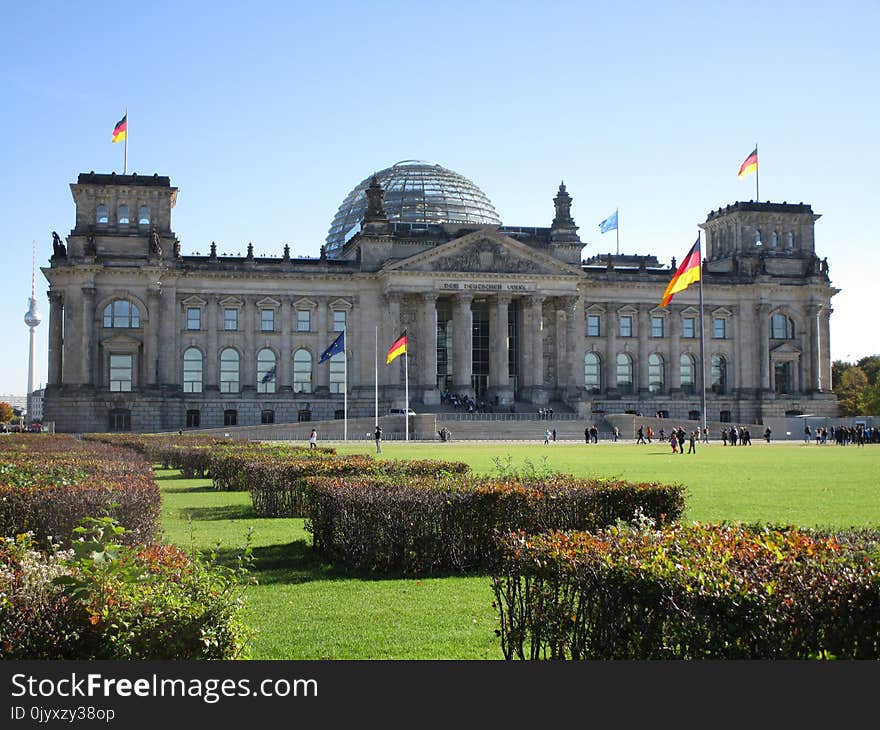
(56, 341)
(88, 335)
(611, 348)
(169, 336)
(762, 312)
(392, 374)
(462, 345)
(285, 363)
(322, 374)
(825, 349)
(212, 356)
(249, 355)
(499, 343)
(642, 362)
(537, 341)
(815, 336)
(674, 365)
(577, 341)
(428, 328)
(151, 341)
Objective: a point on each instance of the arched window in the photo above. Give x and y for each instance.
(656, 374)
(122, 313)
(719, 374)
(789, 240)
(337, 372)
(688, 374)
(123, 215)
(592, 373)
(781, 327)
(757, 236)
(774, 239)
(143, 216)
(266, 371)
(102, 215)
(192, 370)
(229, 370)
(624, 374)
(302, 371)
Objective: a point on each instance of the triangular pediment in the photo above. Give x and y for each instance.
(786, 348)
(194, 301)
(268, 303)
(121, 342)
(690, 312)
(485, 252)
(305, 303)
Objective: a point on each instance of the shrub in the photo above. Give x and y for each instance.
(716, 591)
(414, 524)
(102, 599)
(49, 483)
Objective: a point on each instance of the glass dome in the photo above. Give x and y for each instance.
(415, 192)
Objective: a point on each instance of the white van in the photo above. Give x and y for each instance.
(401, 411)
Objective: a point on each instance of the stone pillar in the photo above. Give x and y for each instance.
(322, 374)
(249, 354)
(212, 356)
(674, 371)
(577, 342)
(814, 384)
(611, 348)
(285, 360)
(391, 374)
(428, 356)
(169, 328)
(825, 349)
(71, 360)
(762, 312)
(499, 367)
(89, 345)
(151, 340)
(537, 339)
(641, 374)
(462, 345)
(56, 336)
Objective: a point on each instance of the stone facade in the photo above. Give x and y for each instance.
(144, 338)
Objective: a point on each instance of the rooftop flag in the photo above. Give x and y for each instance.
(120, 131)
(685, 275)
(750, 164)
(398, 348)
(334, 349)
(609, 224)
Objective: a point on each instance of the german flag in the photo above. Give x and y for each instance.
(398, 348)
(120, 131)
(749, 165)
(685, 275)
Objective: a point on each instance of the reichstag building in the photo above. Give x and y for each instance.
(145, 338)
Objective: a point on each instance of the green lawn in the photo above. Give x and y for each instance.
(303, 609)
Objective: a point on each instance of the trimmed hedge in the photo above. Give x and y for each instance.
(419, 524)
(108, 601)
(278, 486)
(714, 591)
(49, 483)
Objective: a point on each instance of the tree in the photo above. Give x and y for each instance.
(6, 412)
(871, 367)
(851, 392)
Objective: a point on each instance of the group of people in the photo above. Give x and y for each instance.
(678, 436)
(591, 435)
(740, 435)
(858, 435)
(465, 402)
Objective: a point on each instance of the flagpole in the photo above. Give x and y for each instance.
(406, 390)
(377, 376)
(345, 387)
(125, 162)
(702, 348)
(757, 165)
(617, 228)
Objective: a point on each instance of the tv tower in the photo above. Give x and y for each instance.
(32, 319)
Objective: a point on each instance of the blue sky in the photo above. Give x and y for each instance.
(266, 116)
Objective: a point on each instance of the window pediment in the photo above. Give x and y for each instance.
(785, 351)
(268, 303)
(595, 309)
(305, 303)
(194, 301)
(340, 304)
(628, 310)
(231, 302)
(690, 312)
(121, 343)
(721, 312)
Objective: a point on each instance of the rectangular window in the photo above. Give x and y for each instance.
(230, 418)
(230, 319)
(657, 326)
(626, 326)
(593, 325)
(267, 416)
(193, 318)
(267, 320)
(689, 327)
(303, 320)
(193, 418)
(120, 372)
(719, 328)
(338, 320)
(337, 373)
(120, 419)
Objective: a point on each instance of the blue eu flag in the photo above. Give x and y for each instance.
(334, 349)
(609, 224)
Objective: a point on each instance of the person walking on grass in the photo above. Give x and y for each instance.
(587, 435)
(378, 436)
(641, 434)
(692, 443)
(313, 440)
(547, 436)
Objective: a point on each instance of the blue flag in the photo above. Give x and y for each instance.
(334, 349)
(609, 224)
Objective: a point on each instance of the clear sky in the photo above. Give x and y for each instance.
(266, 115)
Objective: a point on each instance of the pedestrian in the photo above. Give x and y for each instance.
(680, 435)
(616, 434)
(673, 441)
(806, 434)
(767, 433)
(547, 436)
(594, 434)
(313, 440)
(692, 443)
(587, 435)
(724, 436)
(378, 436)
(554, 435)
(641, 434)
(706, 435)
